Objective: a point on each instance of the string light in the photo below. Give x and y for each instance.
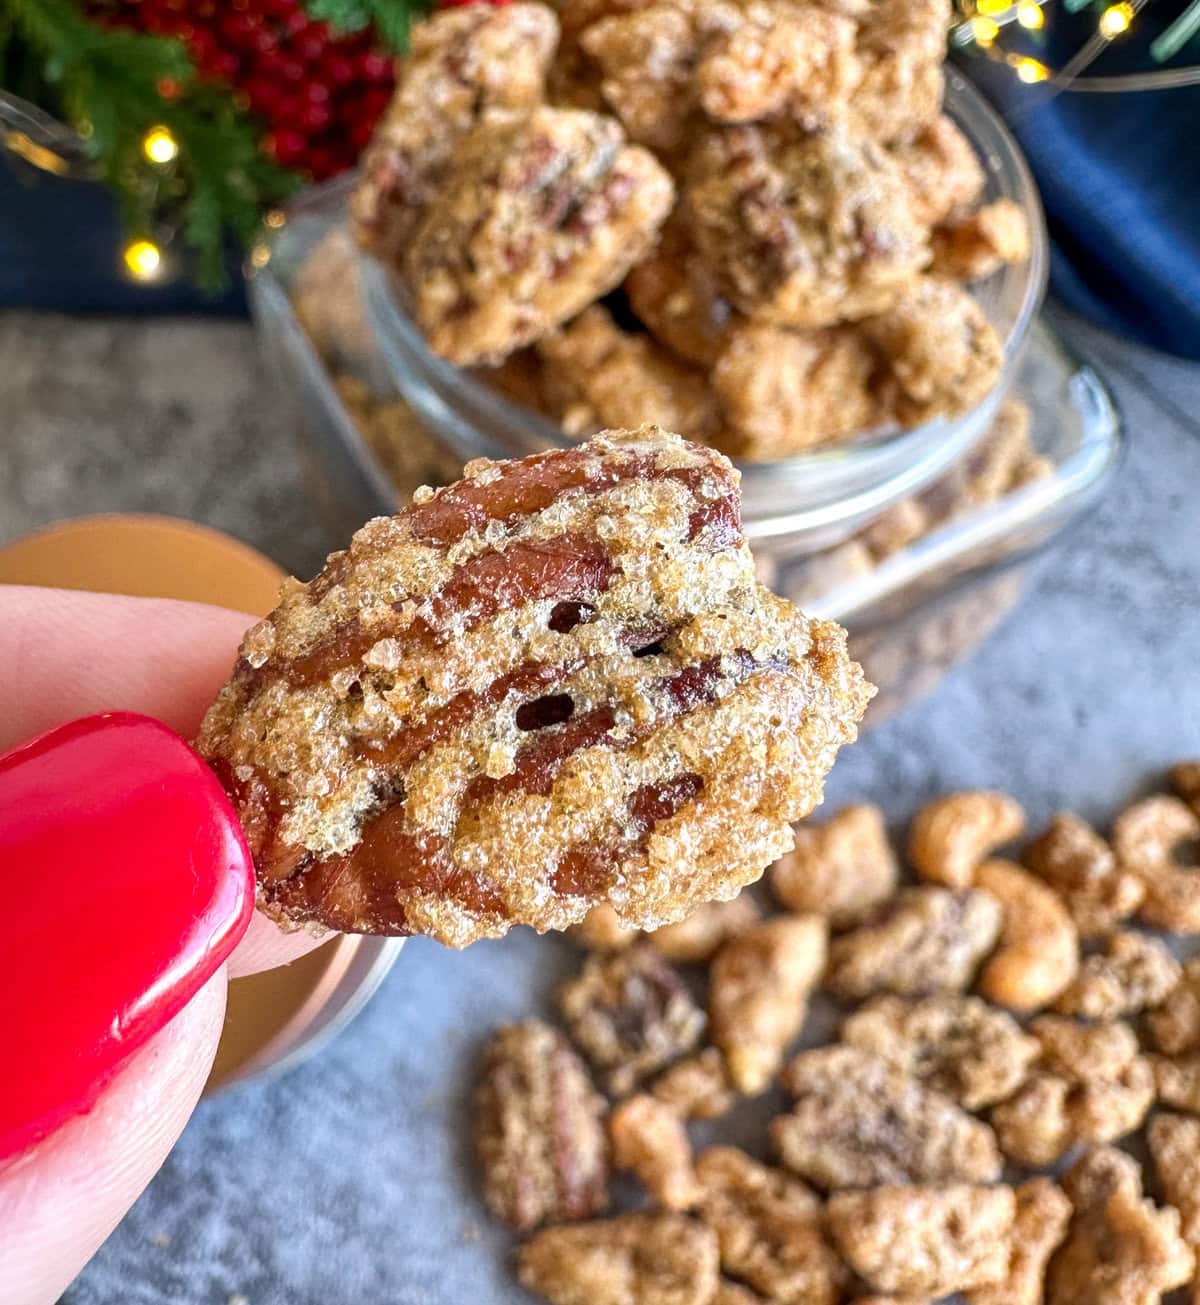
(275, 218)
(1116, 19)
(990, 8)
(143, 258)
(984, 30)
(260, 256)
(159, 146)
(1031, 71)
(1030, 15)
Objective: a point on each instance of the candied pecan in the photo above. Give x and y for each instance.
(635, 1259)
(1132, 972)
(540, 216)
(936, 1240)
(890, 1299)
(899, 526)
(733, 1293)
(972, 247)
(842, 869)
(819, 574)
(1146, 839)
(803, 228)
(958, 1045)
(1175, 1024)
(758, 994)
(1175, 1145)
(1043, 1213)
(1185, 780)
(783, 391)
(859, 1121)
(769, 1228)
(1038, 953)
(901, 46)
(953, 835)
(1090, 1085)
(447, 731)
(697, 1088)
(1120, 1249)
(697, 937)
(674, 293)
(1080, 866)
(649, 1139)
(924, 940)
(941, 170)
(631, 1014)
(1177, 1081)
(462, 65)
(538, 1130)
(598, 376)
(941, 353)
(601, 930)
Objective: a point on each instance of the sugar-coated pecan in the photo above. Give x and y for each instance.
(974, 245)
(1175, 1024)
(1185, 780)
(1177, 1081)
(649, 1139)
(697, 1088)
(601, 930)
(1175, 1145)
(942, 171)
(1080, 866)
(1131, 972)
(699, 936)
(1039, 1227)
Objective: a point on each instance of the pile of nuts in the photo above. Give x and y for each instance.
(747, 221)
(997, 1017)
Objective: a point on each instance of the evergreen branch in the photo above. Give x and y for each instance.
(392, 18)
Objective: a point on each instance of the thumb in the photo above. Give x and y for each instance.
(62, 1198)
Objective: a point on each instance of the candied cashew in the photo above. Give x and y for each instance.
(1132, 972)
(538, 1132)
(935, 1240)
(601, 930)
(769, 1228)
(858, 1121)
(1146, 838)
(758, 994)
(841, 869)
(953, 835)
(972, 247)
(697, 1088)
(1038, 952)
(697, 937)
(631, 1015)
(957, 1045)
(1120, 1248)
(649, 1139)
(1080, 866)
(634, 1259)
(1175, 1145)
(1043, 1213)
(1175, 1024)
(923, 940)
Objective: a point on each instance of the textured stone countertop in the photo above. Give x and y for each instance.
(345, 1182)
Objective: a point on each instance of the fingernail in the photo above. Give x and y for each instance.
(125, 882)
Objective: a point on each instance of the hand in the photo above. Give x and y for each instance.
(64, 655)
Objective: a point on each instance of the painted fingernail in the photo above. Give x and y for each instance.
(125, 881)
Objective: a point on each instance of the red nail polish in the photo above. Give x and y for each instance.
(125, 881)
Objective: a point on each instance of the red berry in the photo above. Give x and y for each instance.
(317, 92)
(296, 23)
(338, 69)
(360, 134)
(323, 163)
(264, 95)
(376, 67)
(315, 118)
(287, 145)
(279, 8)
(222, 65)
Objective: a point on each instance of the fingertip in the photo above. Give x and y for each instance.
(265, 946)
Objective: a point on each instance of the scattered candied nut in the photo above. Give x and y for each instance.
(958, 1045)
(890, 1300)
(597, 376)
(674, 293)
(1038, 953)
(541, 215)
(1043, 1213)
(1090, 1085)
(538, 1130)
(935, 1240)
(859, 1121)
(899, 526)
(953, 835)
(733, 1293)
(697, 937)
(784, 391)
(1080, 866)
(758, 994)
(463, 64)
(327, 298)
(697, 1088)
(819, 574)
(901, 45)
(1185, 780)
(973, 246)
(1132, 972)
(1177, 1081)
(1175, 1145)
(803, 228)
(631, 1014)
(940, 350)
(635, 1259)
(842, 869)
(924, 940)
(1145, 839)
(448, 731)
(769, 1228)
(1175, 1025)
(1120, 1249)
(601, 930)
(941, 170)
(649, 1139)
